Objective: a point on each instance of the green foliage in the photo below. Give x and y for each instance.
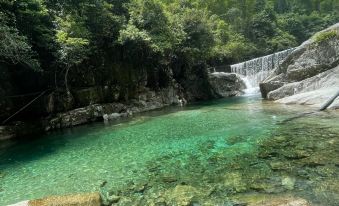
(33, 20)
(263, 24)
(148, 25)
(239, 48)
(197, 27)
(101, 38)
(72, 37)
(282, 41)
(324, 36)
(14, 48)
(132, 34)
(218, 29)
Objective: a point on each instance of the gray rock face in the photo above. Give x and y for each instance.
(223, 85)
(147, 100)
(309, 75)
(226, 84)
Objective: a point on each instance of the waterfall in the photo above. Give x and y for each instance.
(256, 70)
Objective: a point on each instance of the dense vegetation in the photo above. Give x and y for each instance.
(72, 43)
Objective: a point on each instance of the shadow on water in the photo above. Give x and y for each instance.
(38, 146)
(34, 147)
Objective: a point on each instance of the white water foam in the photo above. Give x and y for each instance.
(256, 70)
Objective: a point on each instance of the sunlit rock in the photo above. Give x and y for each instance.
(226, 84)
(91, 199)
(309, 75)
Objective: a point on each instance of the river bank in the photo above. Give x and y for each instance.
(221, 85)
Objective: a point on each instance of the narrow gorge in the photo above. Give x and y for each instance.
(169, 103)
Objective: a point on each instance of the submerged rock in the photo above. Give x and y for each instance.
(169, 179)
(2, 174)
(234, 181)
(255, 199)
(114, 198)
(22, 203)
(91, 199)
(288, 183)
(182, 195)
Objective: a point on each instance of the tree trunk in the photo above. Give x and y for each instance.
(324, 107)
(69, 98)
(329, 102)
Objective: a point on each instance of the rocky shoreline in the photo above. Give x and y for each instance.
(309, 75)
(222, 85)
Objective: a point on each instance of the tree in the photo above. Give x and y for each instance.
(73, 38)
(281, 6)
(33, 20)
(14, 48)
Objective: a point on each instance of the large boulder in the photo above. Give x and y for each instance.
(226, 84)
(310, 74)
(312, 91)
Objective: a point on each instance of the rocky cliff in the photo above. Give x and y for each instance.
(96, 102)
(310, 74)
(217, 85)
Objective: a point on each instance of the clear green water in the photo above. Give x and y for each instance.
(195, 145)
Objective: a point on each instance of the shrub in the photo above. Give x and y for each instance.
(323, 36)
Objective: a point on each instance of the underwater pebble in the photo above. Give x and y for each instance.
(288, 182)
(169, 179)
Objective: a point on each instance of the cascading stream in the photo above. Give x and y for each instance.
(256, 70)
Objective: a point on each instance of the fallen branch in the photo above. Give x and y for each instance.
(20, 110)
(322, 108)
(329, 102)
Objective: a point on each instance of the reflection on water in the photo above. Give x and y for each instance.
(215, 153)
